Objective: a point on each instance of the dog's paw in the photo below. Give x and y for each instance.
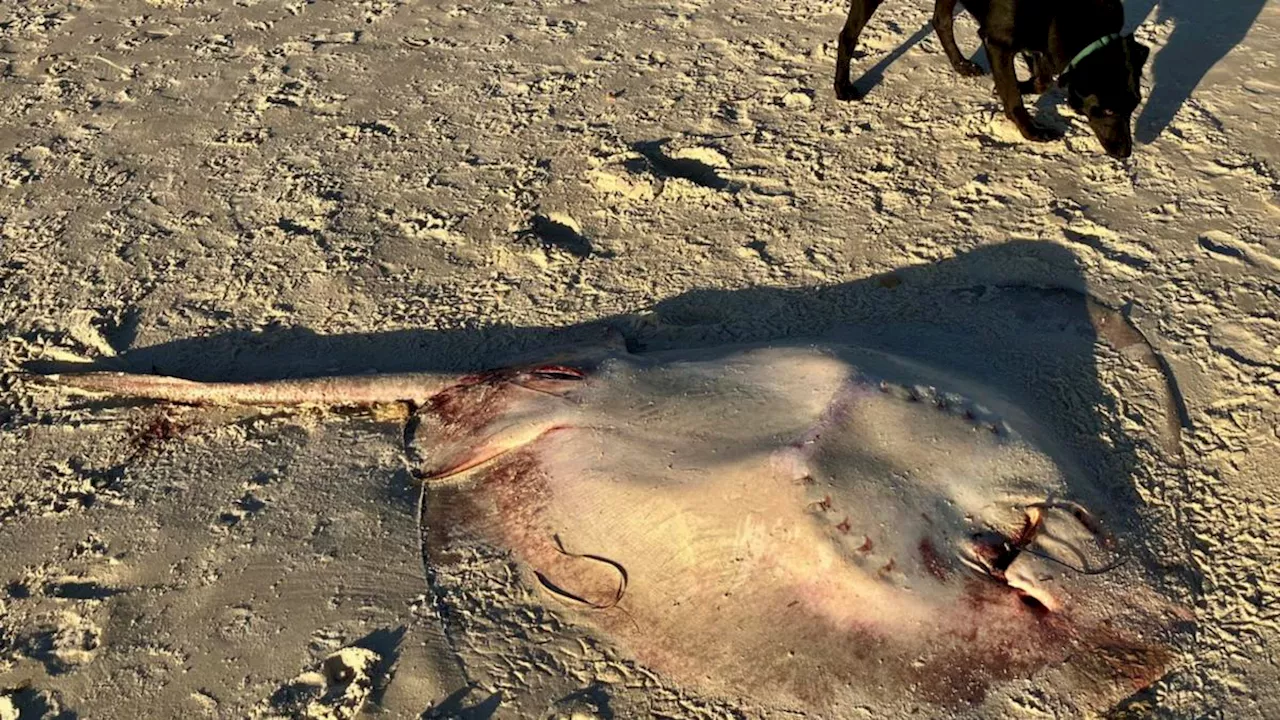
(1036, 132)
(846, 91)
(968, 68)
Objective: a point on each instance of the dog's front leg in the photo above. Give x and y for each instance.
(1041, 74)
(1006, 79)
(944, 25)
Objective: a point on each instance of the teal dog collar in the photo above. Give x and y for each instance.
(1093, 47)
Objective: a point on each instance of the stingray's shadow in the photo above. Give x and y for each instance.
(718, 316)
(1203, 34)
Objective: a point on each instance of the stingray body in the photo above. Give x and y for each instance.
(807, 527)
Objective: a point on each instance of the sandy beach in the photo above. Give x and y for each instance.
(248, 190)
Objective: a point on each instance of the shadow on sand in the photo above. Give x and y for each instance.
(875, 74)
(1203, 34)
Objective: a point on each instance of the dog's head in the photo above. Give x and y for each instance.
(1106, 87)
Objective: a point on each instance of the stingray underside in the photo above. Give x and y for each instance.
(805, 527)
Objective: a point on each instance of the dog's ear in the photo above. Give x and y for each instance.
(1137, 50)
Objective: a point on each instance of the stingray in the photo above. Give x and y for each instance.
(806, 526)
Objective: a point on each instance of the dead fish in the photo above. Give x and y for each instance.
(804, 526)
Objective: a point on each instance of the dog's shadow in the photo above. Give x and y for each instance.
(874, 75)
(1203, 33)
(1048, 110)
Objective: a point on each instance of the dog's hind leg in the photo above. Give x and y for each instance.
(859, 13)
(944, 25)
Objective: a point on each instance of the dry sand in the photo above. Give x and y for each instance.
(254, 189)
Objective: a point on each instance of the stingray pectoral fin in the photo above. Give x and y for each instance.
(330, 391)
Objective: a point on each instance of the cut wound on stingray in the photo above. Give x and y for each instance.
(551, 379)
(568, 596)
(998, 553)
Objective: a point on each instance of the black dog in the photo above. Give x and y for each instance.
(1077, 40)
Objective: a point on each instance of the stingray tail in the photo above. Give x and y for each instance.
(331, 391)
